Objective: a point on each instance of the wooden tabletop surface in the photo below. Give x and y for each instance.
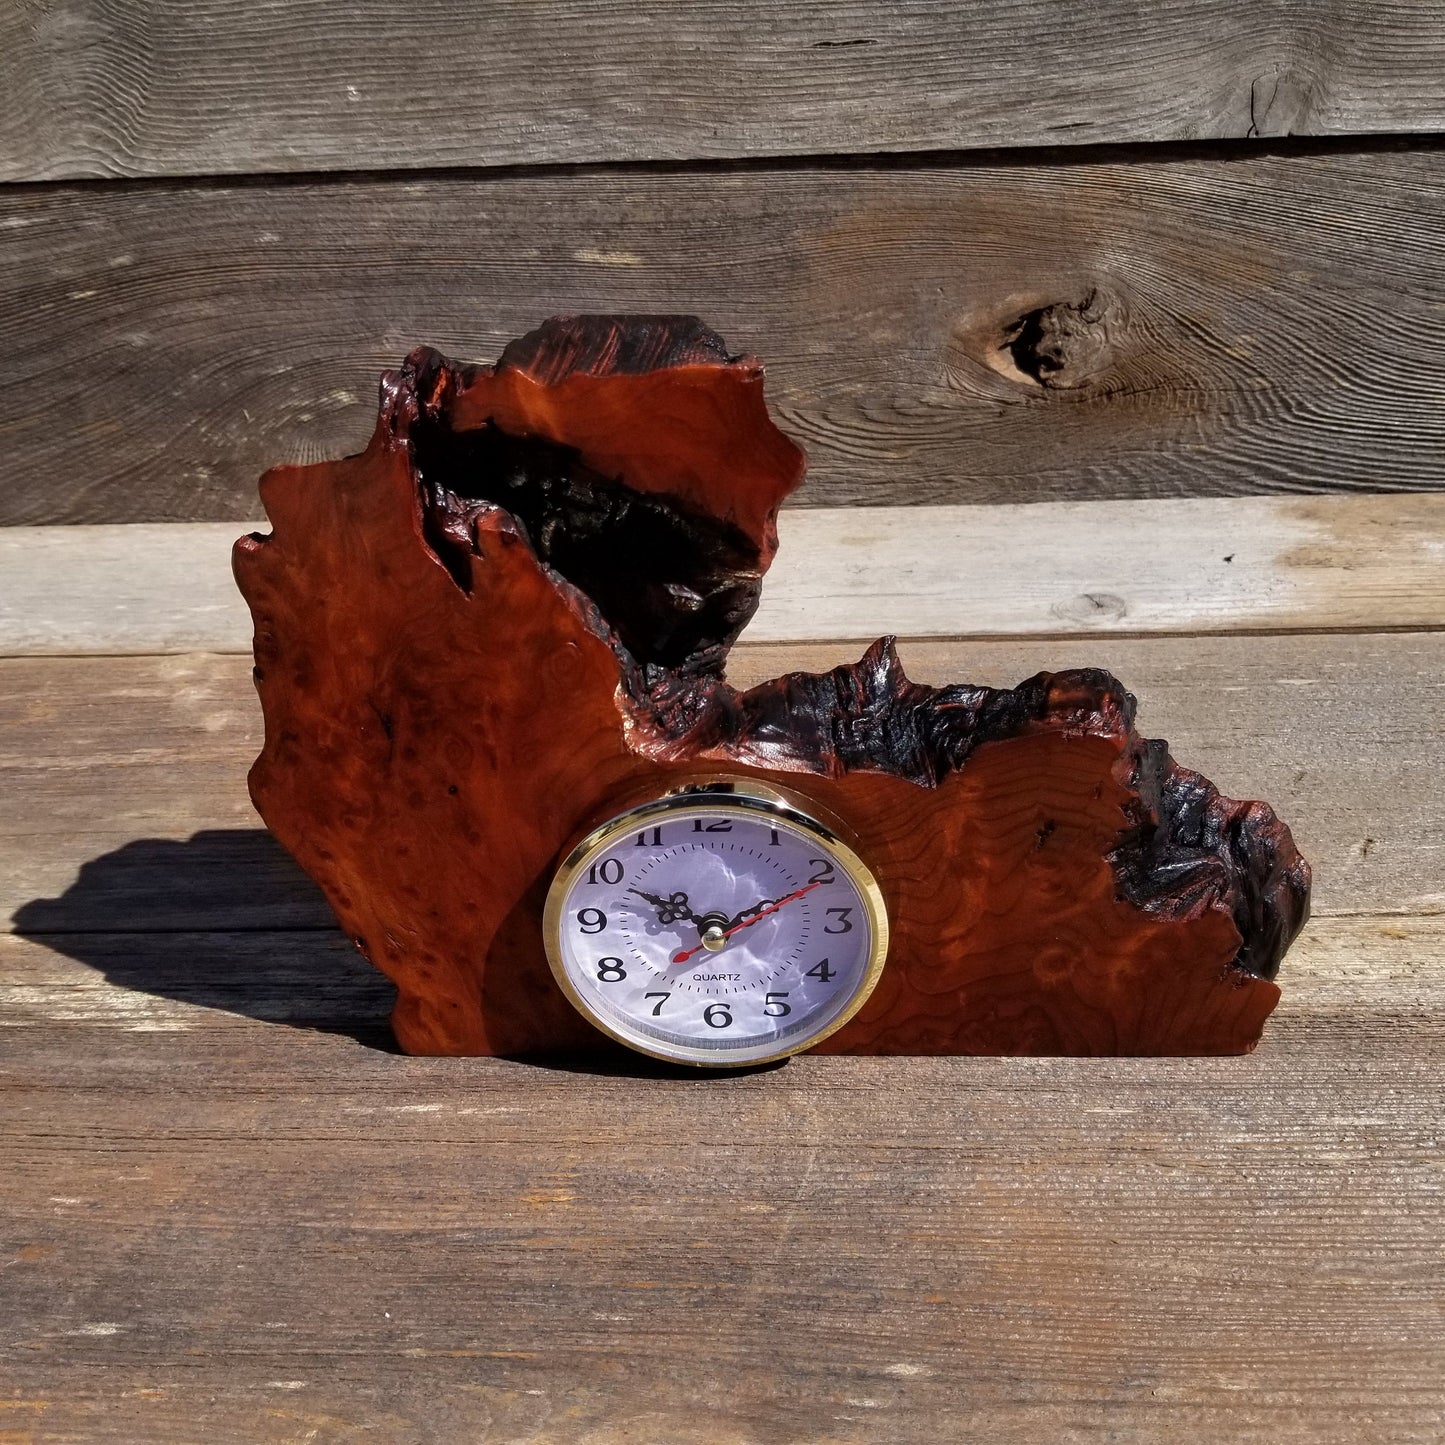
(230, 1211)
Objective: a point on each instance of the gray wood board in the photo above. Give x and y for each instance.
(262, 1233)
(173, 87)
(1221, 327)
(1215, 564)
(124, 778)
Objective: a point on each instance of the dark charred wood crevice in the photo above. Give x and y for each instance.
(674, 585)
(868, 716)
(675, 590)
(1190, 846)
(597, 345)
(1186, 846)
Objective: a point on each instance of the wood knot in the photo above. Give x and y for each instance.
(1092, 607)
(1059, 345)
(1062, 345)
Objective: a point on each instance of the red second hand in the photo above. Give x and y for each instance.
(687, 953)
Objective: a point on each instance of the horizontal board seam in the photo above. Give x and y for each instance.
(58, 935)
(261, 930)
(1224, 148)
(1116, 635)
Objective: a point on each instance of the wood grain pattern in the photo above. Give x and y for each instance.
(943, 333)
(1240, 564)
(215, 1225)
(270, 1233)
(164, 982)
(178, 88)
(124, 779)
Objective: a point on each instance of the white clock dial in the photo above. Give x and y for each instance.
(720, 926)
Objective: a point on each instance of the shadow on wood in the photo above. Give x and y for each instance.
(302, 974)
(307, 977)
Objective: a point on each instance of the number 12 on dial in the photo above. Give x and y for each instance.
(719, 925)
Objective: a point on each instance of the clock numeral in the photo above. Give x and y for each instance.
(824, 873)
(721, 825)
(642, 838)
(657, 1007)
(591, 920)
(845, 921)
(610, 970)
(717, 1015)
(609, 870)
(821, 972)
(773, 1005)
(773, 839)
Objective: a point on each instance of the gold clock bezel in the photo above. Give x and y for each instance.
(747, 797)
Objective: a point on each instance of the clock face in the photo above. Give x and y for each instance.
(718, 926)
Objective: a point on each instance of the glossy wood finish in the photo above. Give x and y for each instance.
(228, 1211)
(125, 777)
(445, 713)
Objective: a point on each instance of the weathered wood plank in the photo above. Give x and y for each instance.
(125, 804)
(332, 1240)
(1090, 568)
(1069, 568)
(136, 588)
(213, 1401)
(955, 333)
(176, 982)
(1345, 974)
(174, 88)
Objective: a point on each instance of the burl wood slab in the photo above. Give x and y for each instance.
(508, 618)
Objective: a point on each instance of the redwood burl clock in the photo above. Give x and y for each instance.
(491, 650)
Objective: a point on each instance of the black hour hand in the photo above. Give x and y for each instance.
(670, 909)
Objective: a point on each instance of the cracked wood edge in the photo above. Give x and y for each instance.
(1069, 569)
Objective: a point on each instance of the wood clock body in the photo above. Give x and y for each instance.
(507, 621)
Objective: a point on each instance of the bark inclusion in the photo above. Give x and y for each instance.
(674, 585)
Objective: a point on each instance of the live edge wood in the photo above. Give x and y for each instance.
(509, 618)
